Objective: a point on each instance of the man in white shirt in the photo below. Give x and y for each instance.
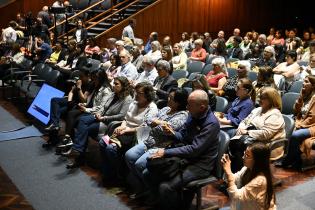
(9, 34)
(150, 73)
(127, 69)
(128, 30)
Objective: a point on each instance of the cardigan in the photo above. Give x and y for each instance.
(250, 196)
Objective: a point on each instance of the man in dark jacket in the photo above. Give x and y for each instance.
(200, 138)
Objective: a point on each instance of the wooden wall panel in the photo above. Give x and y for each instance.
(172, 17)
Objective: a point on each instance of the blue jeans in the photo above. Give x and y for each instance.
(87, 126)
(136, 159)
(57, 107)
(294, 153)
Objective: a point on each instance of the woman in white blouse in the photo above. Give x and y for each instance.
(289, 70)
(251, 187)
(179, 59)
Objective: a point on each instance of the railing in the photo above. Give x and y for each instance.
(85, 10)
(118, 24)
(112, 11)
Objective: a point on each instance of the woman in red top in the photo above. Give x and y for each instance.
(217, 77)
(198, 53)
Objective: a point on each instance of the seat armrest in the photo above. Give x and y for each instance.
(201, 182)
(278, 143)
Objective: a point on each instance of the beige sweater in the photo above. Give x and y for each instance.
(251, 196)
(270, 126)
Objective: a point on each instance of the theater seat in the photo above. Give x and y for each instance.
(217, 173)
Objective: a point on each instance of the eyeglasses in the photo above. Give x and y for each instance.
(241, 67)
(140, 93)
(239, 88)
(122, 56)
(247, 156)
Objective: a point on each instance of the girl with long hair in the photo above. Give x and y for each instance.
(251, 187)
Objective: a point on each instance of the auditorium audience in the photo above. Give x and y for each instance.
(80, 34)
(155, 51)
(278, 40)
(113, 109)
(217, 77)
(91, 48)
(97, 97)
(179, 59)
(114, 68)
(263, 124)
(199, 82)
(230, 42)
(164, 83)
(302, 139)
(127, 70)
(173, 115)
(235, 51)
(199, 136)
(264, 79)
(140, 113)
(42, 49)
(184, 42)
(229, 89)
(137, 58)
(267, 58)
(198, 53)
(287, 71)
(153, 37)
(78, 94)
(309, 69)
(241, 107)
(251, 187)
(149, 73)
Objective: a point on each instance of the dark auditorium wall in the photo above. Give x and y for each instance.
(175, 16)
(9, 12)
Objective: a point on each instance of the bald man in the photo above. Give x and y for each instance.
(199, 136)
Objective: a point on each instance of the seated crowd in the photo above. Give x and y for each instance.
(137, 111)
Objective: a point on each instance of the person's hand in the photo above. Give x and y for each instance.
(168, 130)
(79, 84)
(157, 122)
(159, 153)
(98, 117)
(242, 131)
(119, 130)
(226, 165)
(81, 107)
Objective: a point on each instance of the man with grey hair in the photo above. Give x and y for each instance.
(229, 42)
(127, 69)
(200, 136)
(164, 83)
(149, 73)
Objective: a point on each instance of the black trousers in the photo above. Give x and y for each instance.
(171, 195)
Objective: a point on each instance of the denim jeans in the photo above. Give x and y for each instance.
(87, 126)
(136, 159)
(57, 107)
(294, 153)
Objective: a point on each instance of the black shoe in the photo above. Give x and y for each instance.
(75, 162)
(52, 127)
(66, 142)
(70, 153)
(47, 145)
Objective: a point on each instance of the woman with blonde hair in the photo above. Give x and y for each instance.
(198, 53)
(264, 124)
(179, 59)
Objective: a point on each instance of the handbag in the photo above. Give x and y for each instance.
(166, 168)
